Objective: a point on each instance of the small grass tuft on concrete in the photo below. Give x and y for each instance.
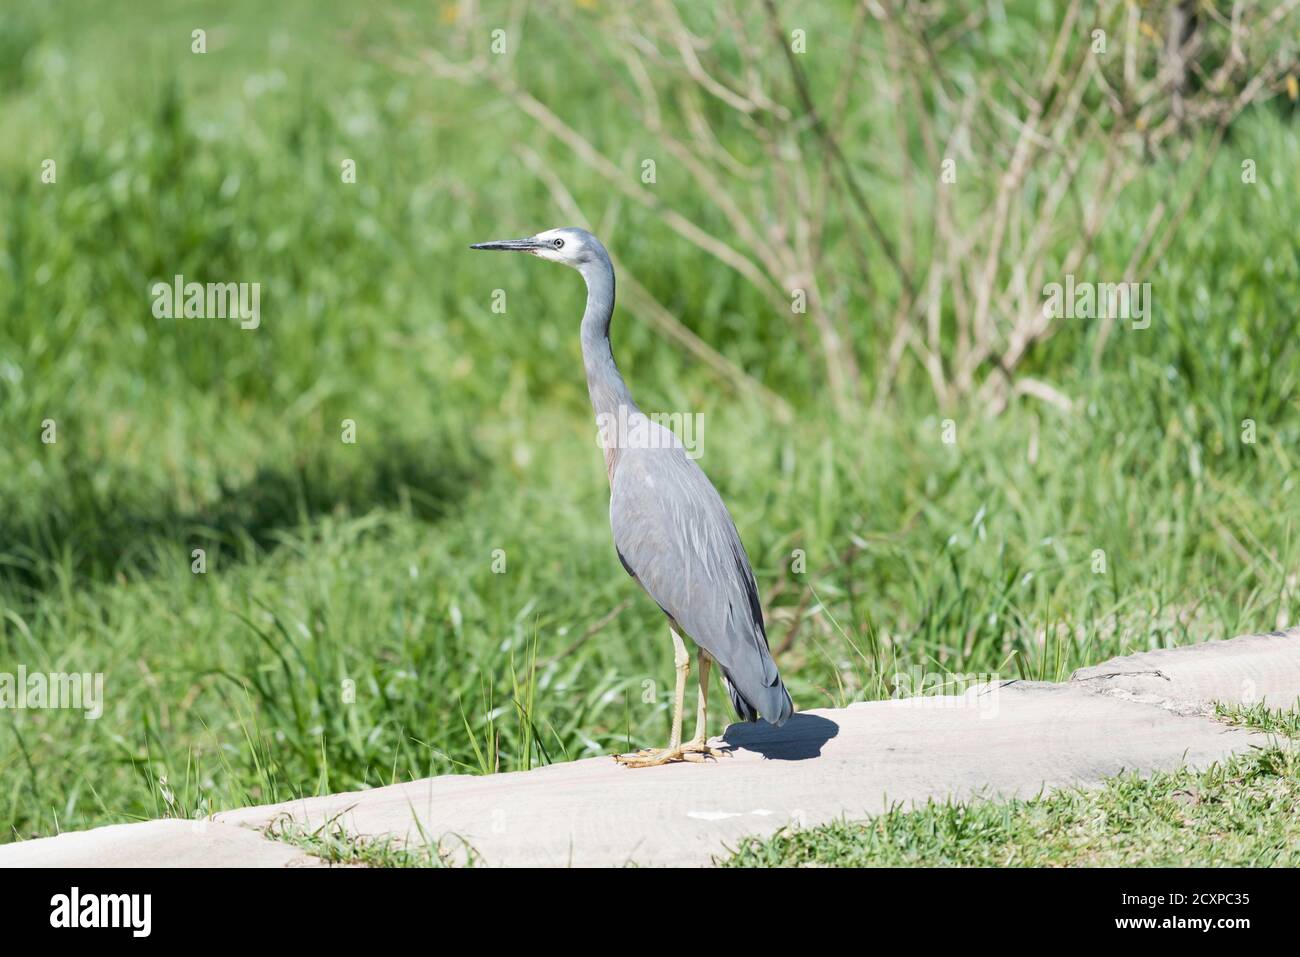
(333, 844)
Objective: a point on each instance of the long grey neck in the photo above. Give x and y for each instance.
(605, 383)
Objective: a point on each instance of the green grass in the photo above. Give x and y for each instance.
(333, 845)
(1240, 813)
(351, 629)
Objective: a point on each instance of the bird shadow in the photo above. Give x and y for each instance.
(799, 739)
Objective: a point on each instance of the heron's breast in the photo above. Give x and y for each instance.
(611, 462)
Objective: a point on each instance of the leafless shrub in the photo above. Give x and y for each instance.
(959, 269)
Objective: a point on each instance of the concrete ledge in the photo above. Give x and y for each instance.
(1143, 712)
(167, 843)
(1246, 670)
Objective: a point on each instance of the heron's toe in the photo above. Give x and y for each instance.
(695, 752)
(701, 751)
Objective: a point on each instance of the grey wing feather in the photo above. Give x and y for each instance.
(675, 536)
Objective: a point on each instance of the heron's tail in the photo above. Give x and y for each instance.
(772, 701)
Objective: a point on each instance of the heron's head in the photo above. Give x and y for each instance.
(568, 245)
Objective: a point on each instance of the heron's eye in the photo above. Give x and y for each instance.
(559, 244)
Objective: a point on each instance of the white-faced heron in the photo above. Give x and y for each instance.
(672, 531)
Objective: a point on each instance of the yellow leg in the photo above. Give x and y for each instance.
(682, 661)
(702, 707)
(697, 749)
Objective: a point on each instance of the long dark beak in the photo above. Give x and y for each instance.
(511, 245)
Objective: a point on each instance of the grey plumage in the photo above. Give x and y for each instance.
(672, 531)
(676, 538)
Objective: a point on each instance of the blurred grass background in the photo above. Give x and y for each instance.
(369, 566)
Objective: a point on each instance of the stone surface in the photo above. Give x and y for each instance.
(168, 843)
(1245, 670)
(1009, 740)
(1142, 713)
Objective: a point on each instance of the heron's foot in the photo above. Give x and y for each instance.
(693, 751)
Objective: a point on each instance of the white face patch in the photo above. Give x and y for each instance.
(567, 253)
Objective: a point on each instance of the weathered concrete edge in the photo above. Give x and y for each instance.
(168, 842)
(1192, 679)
